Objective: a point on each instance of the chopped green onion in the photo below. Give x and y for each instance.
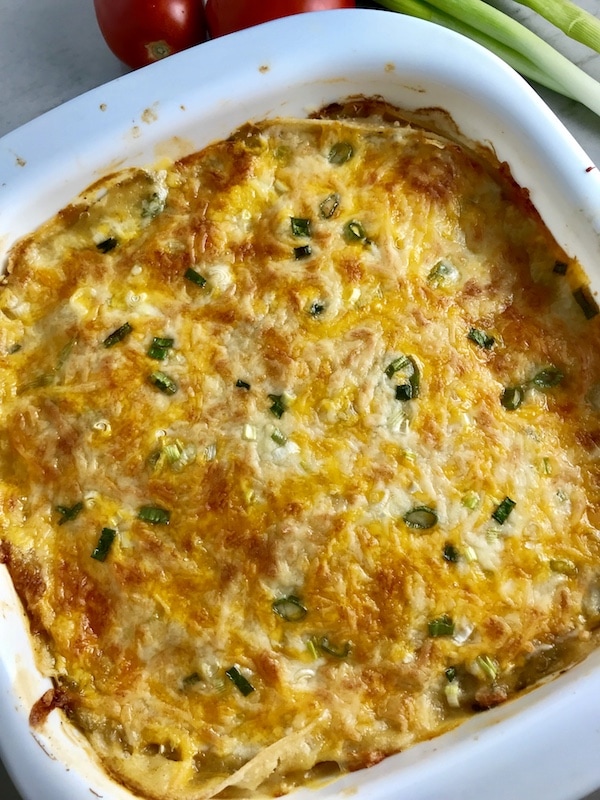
(564, 566)
(290, 608)
(560, 268)
(355, 232)
(586, 301)
(160, 347)
(404, 392)
(481, 338)
(279, 437)
(450, 553)
(503, 510)
(249, 432)
(106, 245)
(547, 378)
(443, 274)
(240, 384)
(577, 23)
(107, 537)
(69, 513)
(489, 666)
(328, 207)
(278, 405)
(304, 251)
(154, 515)
(239, 681)
(452, 692)
(421, 518)
(450, 674)
(191, 679)
(340, 153)
(398, 364)
(339, 651)
(316, 309)
(512, 397)
(311, 646)
(117, 336)
(408, 367)
(153, 206)
(441, 626)
(526, 52)
(300, 226)
(470, 500)
(162, 382)
(194, 276)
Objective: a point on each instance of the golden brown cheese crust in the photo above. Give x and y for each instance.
(270, 601)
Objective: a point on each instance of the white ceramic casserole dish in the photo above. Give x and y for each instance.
(543, 745)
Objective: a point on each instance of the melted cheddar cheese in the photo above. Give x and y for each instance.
(298, 454)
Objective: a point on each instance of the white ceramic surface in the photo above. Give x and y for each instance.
(544, 745)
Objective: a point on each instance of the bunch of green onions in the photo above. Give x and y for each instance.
(517, 45)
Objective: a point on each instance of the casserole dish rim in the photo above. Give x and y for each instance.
(44, 164)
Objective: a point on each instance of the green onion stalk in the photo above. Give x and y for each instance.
(522, 49)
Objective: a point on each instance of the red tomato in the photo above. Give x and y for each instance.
(142, 31)
(226, 16)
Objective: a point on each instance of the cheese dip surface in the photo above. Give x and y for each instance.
(299, 447)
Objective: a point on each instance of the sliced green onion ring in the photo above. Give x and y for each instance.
(290, 608)
(163, 382)
(340, 153)
(512, 397)
(421, 518)
(329, 206)
(338, 651)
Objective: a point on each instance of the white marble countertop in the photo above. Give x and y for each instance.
(51, 51)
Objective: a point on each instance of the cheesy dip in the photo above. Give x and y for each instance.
(299, 453)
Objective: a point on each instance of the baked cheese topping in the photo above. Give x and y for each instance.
(298, 453)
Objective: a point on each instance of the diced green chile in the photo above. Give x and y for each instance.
(300, 226)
